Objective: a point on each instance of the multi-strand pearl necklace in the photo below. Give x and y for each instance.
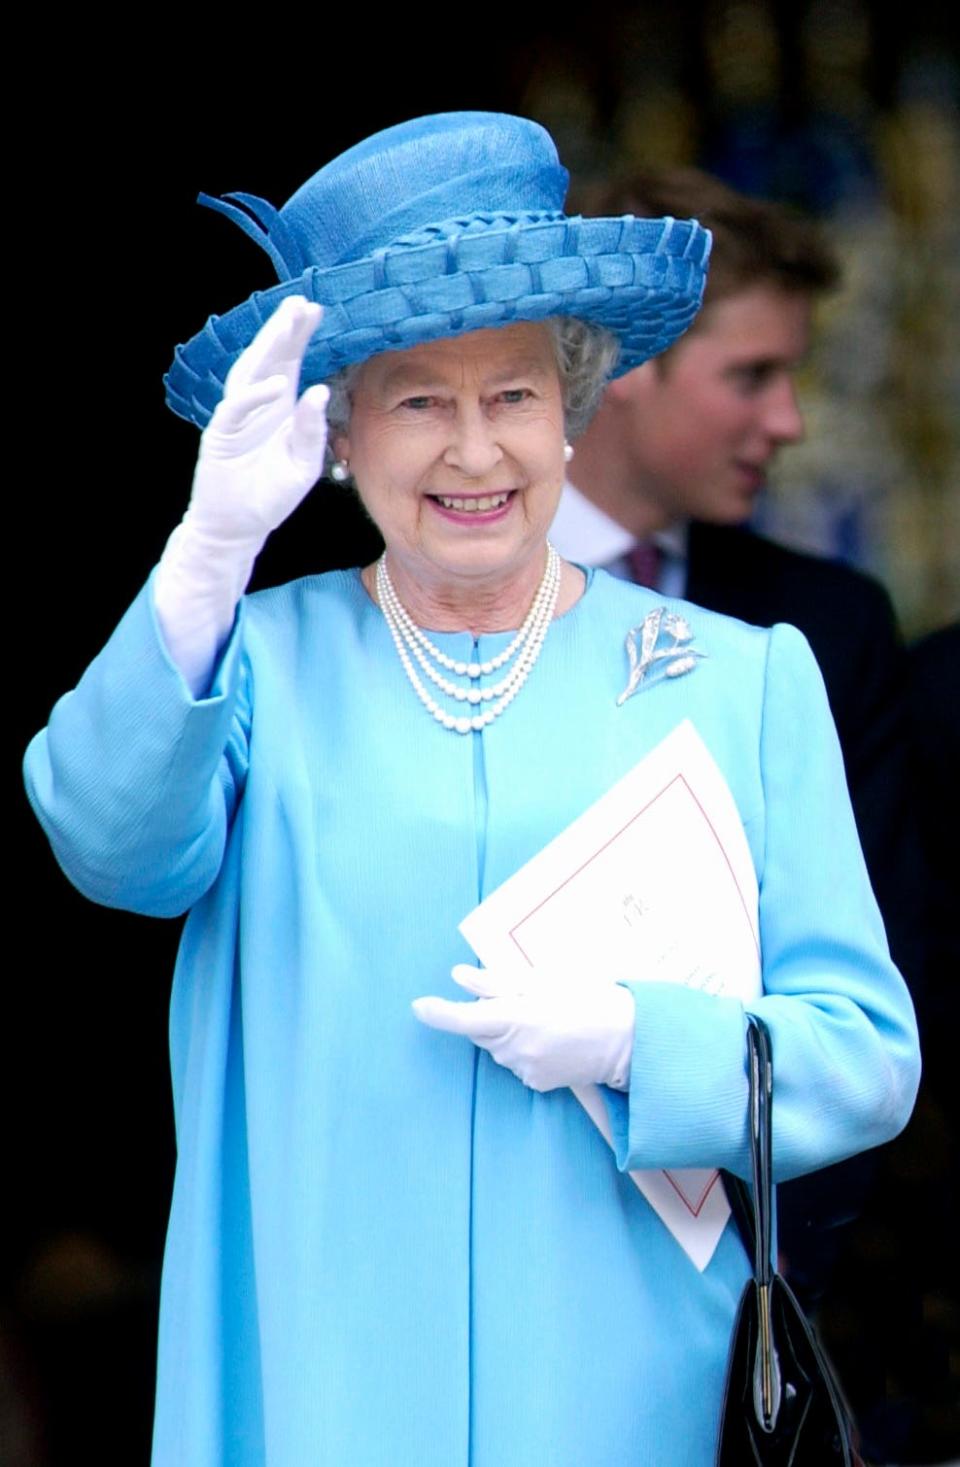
(412, 643)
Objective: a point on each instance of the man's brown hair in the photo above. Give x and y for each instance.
(755, 241)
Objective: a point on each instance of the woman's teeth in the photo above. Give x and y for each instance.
(485, 501)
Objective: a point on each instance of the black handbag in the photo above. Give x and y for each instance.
(782, 1406)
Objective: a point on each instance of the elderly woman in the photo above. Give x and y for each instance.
(389, 1244)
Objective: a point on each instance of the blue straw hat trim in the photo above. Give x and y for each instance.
(266, 228)
(643, 279)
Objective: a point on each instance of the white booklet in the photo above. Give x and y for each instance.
(654, 881)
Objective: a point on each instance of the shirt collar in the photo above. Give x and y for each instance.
(584, 533)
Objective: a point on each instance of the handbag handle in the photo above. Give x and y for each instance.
(739, 1194)
(760, 1059)
(766, 1382)
(752, 1208)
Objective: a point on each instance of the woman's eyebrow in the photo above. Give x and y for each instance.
(414, 381)
(406, 378)
(520, 367)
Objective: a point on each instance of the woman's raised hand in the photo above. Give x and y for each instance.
(259, 455)
(262, 450)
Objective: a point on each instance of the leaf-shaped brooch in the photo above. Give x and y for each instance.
(657, 648)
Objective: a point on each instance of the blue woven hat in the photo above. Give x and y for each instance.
(440, 226)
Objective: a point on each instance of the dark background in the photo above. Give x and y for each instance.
(119, 129)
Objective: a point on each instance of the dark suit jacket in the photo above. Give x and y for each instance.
(934, 718)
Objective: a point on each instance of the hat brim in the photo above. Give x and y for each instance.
(642, 279)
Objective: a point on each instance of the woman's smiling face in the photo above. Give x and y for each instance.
(456, 448)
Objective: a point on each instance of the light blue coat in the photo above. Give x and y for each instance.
(383, 1248)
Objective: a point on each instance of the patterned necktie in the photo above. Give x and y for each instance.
(645, 561)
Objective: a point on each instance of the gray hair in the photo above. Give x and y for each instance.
(586, 356)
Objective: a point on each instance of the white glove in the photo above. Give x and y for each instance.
(259, 455)
(550, 1030)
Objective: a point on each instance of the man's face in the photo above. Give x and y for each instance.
(703, 425)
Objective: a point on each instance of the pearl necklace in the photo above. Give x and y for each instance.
(526, 645)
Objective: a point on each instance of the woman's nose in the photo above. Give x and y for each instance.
(473, 448)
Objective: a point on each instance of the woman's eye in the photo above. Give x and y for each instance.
(515, 394)
(417, 403)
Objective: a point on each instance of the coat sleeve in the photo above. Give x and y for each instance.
(134, 782)
(846, 1057)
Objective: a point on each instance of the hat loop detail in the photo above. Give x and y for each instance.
(266, 228)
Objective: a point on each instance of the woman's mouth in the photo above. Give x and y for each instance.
(474, 506)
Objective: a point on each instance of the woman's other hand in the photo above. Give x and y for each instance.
(550, 1030)
(260, 454)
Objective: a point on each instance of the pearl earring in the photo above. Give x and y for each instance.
(340, 471)
(567, 452)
